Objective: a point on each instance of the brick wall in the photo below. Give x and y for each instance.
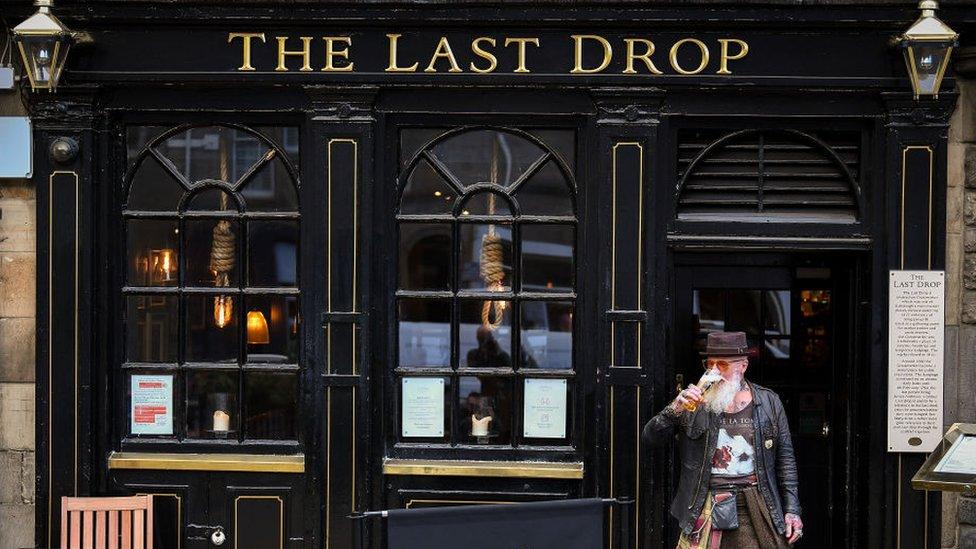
(17, 260)
(959, 514)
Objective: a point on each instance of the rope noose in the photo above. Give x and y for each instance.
(492, 267)
(223, 253)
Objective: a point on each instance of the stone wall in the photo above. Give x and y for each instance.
(17, 260)
(959, 514)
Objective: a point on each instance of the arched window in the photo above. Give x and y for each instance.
(487, 286)
(210, 296)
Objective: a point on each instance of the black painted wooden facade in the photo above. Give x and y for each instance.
(811, 74)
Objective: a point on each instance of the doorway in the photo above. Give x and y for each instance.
(797, 315)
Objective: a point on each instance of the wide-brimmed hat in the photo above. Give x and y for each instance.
(726, 344)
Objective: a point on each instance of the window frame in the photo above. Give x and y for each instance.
(119, 369)
(581, 378)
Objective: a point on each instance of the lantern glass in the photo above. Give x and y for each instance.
(926, 65)
(44, 57)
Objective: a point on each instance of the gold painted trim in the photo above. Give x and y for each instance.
(507, 469)
(179, 513)
(613, 245)
(612, 454)
(904, 178)
(50, 339)
(457, 501)
(249, 463)
(328, 466)
(355, 300)
(281, 518)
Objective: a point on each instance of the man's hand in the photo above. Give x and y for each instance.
(690, 395)
(794, 527)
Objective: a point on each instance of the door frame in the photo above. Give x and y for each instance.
(850, 457)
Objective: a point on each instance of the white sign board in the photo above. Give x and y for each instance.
(16, 147)
(544, 411)
(151, 408)
(423, 407)
(916, 341)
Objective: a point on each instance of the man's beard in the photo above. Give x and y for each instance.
(723, 394)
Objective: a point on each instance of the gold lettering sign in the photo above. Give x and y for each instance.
(583, 54)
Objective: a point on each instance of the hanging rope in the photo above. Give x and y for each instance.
(223, 254)
(492, 264)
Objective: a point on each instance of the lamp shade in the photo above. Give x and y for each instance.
(257, 328)
(43, 42)
(927, 46)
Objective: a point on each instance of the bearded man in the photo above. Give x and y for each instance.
(738, 486)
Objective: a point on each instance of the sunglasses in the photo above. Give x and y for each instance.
(709, 363)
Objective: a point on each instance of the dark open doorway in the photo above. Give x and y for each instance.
(797, 313)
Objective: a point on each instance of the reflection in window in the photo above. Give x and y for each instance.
(226, 227)
(487, 224)
(547, 334)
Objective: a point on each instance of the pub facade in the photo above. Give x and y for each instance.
(299, 261)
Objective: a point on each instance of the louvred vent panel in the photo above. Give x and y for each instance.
(768, 175)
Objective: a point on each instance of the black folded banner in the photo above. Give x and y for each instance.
(563, 524)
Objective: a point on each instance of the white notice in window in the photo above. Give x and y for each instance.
(545, 408)
(151, 406)
(916, 337)
(423, 407)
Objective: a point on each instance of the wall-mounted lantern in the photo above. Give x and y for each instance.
(927, 45)
(44, 41)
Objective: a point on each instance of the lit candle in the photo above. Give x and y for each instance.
(479, 427)
(221, 421)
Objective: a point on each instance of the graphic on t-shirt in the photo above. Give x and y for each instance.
(734, 453)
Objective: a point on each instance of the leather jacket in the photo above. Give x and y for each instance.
(698, 436)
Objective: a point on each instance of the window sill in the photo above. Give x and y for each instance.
(466, 468)
(251, 463)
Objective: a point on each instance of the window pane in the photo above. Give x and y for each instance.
(272, 253)
(744, 311)
(212, 253)
(485, 410)
(152, 251)
(485, 344)
(425, 332)
(545, 193)
(709, 309)
(211, 328)
(213, 152)
(151, 328)
(425, 256)
(426, 192)
(563, 142)
(211, 404)
(271, 189)
(547, 258)
(269, 405)
(138, 137)
(485, 261)
(412, 139)
(272, 329)
(487, 156)
(777, 303)
(212, 200)
(153, 189)
(486, 203)
(547, 334)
